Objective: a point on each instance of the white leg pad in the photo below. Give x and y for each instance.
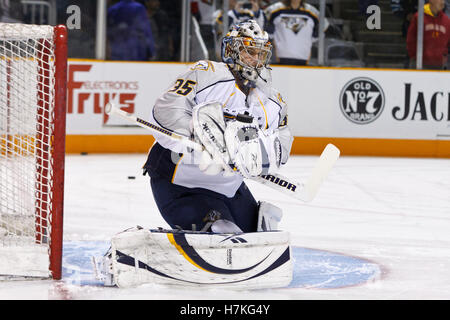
(225, 226)
(168, 257)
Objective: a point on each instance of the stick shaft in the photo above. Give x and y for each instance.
(304, 192)
(113, 110)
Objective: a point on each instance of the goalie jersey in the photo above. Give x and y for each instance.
(207, 81)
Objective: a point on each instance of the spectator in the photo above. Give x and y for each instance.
(160, 30)
(242, 10)
(173, 9)
(436, 36)
(129, 32)
(396, 7)
(263, 4)
(247, 10)
(11, 11)
(293, 26)
(204, 10)
(405, 10)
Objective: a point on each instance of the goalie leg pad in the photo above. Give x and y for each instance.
(169, 257)
(225, 226)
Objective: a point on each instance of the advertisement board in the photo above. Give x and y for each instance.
(363, 103)
(353, 107)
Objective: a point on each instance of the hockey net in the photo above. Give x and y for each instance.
(33, 62)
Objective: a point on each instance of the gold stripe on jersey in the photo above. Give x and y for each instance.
(176, 167)
(265, 113)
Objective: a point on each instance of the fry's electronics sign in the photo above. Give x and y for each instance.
(133, 86)
(88, 92)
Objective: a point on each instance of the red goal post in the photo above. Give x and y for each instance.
(33, 75)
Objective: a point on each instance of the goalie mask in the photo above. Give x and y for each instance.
(247, 50)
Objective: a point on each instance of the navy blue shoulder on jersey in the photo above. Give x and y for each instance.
(161, 162)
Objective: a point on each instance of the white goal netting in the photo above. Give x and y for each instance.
(26, 128)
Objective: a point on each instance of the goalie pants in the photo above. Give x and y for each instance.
(183, 207)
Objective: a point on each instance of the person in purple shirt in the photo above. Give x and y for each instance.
(129, 32)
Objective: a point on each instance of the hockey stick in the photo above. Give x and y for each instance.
(304, 192)
(110, 109)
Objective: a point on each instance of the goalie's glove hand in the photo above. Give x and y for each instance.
(245, 148)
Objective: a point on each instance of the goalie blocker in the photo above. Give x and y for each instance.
(174, 257)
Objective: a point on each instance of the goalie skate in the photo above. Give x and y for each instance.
(103, 269)
(172, 257)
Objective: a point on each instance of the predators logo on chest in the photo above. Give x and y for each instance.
(294, 23)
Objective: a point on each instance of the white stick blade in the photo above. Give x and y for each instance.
(326, 161)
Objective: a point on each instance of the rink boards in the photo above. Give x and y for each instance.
(383, 112)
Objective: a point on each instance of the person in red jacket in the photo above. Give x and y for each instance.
(436, 36)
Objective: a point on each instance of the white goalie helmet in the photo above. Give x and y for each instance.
(247, 50)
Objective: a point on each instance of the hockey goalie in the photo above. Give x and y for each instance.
(220, 234)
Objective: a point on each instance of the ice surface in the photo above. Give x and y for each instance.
(393, 213)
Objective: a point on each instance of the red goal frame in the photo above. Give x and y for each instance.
(54, 157)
